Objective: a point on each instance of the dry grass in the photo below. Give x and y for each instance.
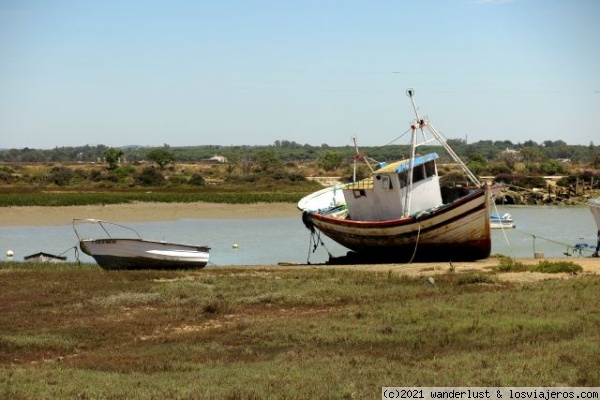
(293, 332)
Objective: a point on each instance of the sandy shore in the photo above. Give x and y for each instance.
(136, 212)
(591, 266)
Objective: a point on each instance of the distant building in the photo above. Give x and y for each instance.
(219, 159)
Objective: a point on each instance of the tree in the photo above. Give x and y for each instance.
(531, 156)
(476, 163)
(267, 160)
(111, 155)
(162, 157)
(596, 160)
(330, 160)
(510, 158)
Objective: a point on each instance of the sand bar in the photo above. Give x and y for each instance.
(141, 212)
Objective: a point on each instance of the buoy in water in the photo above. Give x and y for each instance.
(235, 246)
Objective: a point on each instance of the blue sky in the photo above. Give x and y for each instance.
(235, 72)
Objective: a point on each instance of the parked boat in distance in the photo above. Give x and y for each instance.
(121, 252)
(502, 222)
(398, 214)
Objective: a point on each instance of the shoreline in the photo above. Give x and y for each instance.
(142, 212)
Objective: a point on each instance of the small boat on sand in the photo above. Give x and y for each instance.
(121, 252)
(502, 222)
(399, 213)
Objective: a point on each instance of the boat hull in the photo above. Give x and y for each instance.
(118, 254)
(459, 231)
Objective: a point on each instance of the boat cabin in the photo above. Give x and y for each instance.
(384, 196)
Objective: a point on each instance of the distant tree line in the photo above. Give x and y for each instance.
(289, 151)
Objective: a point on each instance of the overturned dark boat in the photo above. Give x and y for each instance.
(43, 257)
(398, 214)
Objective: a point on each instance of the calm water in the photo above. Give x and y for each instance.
(268, 241)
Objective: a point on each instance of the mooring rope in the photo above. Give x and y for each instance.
(416, 245)
(579, 249)
(315, 237)
(568, 246)
(504, 233)
(76, 252)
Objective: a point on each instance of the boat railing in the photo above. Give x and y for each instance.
(104, 225)
(360, 185)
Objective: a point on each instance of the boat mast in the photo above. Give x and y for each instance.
(413, 145)
(420, 123)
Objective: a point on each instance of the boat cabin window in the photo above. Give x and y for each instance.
(420, 172)
(403, 179)
(359, 193)
(430, 168)
(386, 182)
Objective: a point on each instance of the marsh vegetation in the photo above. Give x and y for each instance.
(70, 331)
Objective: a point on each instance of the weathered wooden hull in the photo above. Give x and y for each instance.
(115, 254)
(459, 231)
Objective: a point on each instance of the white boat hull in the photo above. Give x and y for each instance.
(112, 253)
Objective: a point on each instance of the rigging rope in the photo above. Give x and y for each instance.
(399, 137)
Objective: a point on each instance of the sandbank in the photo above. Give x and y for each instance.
(142, 212)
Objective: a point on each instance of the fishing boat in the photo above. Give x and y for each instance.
(398, 214)
(502, 222)
(594, 205)
(130, 251)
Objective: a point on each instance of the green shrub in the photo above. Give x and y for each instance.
(550, 267)
(473, 278)
(508, 264)
(61, 176)
(5, 177)
(197, 180)
(150, 177)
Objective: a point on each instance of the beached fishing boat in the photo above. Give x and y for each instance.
(398, 214)
(594, 205)
(502, 222)
(121, 252)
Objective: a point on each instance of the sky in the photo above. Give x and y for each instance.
(252, 72)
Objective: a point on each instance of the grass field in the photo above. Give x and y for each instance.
(69, 331)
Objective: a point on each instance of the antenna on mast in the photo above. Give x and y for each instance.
(411, 94)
